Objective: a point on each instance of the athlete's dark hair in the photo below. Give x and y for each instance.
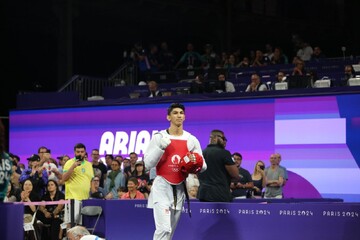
(175, 105)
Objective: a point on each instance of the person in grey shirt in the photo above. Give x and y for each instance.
(274, 179)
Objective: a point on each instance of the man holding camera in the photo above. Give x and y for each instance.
(241, 188)
(77, 175)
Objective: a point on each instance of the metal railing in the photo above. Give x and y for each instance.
(88, 86)
(127, 74)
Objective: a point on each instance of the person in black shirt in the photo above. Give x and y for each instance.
(215, 181)
(99, 167)
(51, 214)
(199, 85)
(142, 177)
(154, 90)
(241, 188)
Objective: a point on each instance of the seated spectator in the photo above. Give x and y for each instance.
(299, 69)
(51, 214)
(114, 180)
(280, 77)
(142, 177)
(133, 193)
(223, 85)
(269, 52)
(305, 51)
(192, 180)
(15, 176)
(125, 164)
(313, 77)
(237, 53)
(12, 194)
(108, 160)
(240, 188)
(121, 191)
(153, 90)
(244, 63)
(223, 58)
(95, 190)
(199, 85)
(210, 57)
(278, 57)
(130, 169)
(193, 190)
(21, 166)
(190, 59)
(230, 62)
(274, 179)
(256, 85)
(119, 158)
(317, 54)
(16, 161)
(259, 59)
(259, 179)
(80, 233)
(295, 59)
(349, 72)
(28, 195)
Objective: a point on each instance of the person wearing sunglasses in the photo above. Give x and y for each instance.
(259, 179)
(221, 169)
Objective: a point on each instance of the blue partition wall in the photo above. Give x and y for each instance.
(318, 136)
(12, 221)
(130, 219)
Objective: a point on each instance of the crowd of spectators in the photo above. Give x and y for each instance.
(44, 172)
(117, 177)
(160, 58)
(210, 68)
(123, 178)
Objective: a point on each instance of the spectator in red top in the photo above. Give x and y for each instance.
(133, 193)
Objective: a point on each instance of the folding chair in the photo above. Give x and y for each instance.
(92, 211)
(30, 226)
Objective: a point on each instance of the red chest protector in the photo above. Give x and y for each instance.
(168, 166)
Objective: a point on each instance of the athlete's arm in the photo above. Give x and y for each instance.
(153, 152)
